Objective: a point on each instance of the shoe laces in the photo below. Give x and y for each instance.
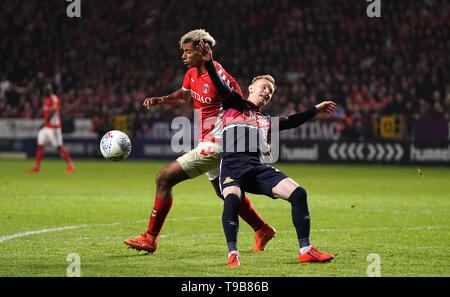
(233, 257)
(315, 253)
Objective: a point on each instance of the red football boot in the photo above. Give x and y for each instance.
(145, 242)
(70, 168)
(34, 169)
(314, 255)
(233, 259)
(262, 237)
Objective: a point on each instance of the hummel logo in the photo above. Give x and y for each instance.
(192, 80)
(228, 180)
(154, 211)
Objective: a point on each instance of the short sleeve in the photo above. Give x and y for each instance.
(187, 82)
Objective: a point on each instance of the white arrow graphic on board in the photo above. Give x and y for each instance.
(390, 151)
(332, 151)
(359, 151)
(351, 151)
(372, 151)
(376, 151)
(380, 151)
(342, 151)
(399, 154)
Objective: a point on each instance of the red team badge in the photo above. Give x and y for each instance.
(206, 88)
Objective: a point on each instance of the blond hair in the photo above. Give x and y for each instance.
(195, 36)
(265, 76)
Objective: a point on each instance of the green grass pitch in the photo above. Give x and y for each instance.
(397, 213)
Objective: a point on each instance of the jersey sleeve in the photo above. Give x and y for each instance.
(297, 119)
(187, 81)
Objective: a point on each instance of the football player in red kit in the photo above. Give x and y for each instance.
(205, 157)
(51, 133)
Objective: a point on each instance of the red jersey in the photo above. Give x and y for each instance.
(207, 103)
(50, 109)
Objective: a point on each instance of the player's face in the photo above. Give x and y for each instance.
(190, 57)
(260, 92)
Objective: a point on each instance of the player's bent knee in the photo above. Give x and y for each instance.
(163, 179)
(299, 195)
(232, 200)
(170, 175)
(231, 190)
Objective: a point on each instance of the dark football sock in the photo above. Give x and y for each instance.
(230, 220)
(300, 216)
(232, 246)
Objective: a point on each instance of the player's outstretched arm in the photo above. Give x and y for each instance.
(297, 119)
(176, 98)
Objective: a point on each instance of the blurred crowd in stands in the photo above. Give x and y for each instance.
(118, 52)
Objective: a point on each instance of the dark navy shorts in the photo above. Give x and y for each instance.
(250, 175)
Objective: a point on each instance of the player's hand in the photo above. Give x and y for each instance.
(326, 106)
(204, 51)
(152, 101)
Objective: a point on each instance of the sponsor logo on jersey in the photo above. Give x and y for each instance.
(200, 98)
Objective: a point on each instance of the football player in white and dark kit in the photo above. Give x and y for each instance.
(245, 140)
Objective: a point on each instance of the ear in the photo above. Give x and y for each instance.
(250, 88)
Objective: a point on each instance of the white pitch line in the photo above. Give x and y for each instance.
(29, 233)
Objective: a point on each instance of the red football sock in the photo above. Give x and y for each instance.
(249, 214)
(65, 154)
(159, 213)
(39, 155)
